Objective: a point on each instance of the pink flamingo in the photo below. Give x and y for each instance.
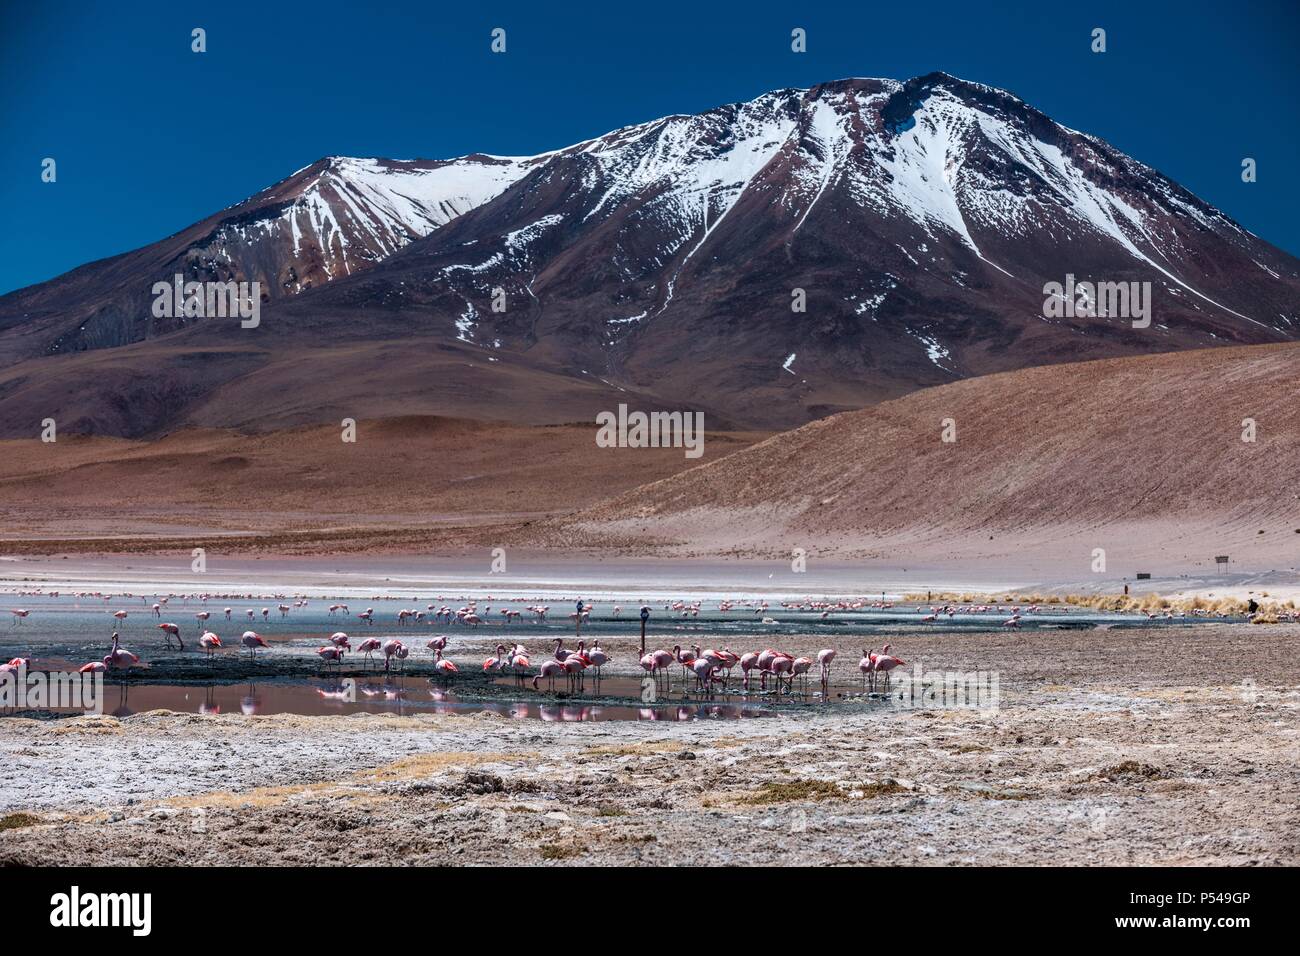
(748, 662)
(885, 662)
(800, 667)
(439, 643)
(598, 658)
(119, 656)
(825, 658)
(704, 669)
(519, 662)
(330, 654)
(170, 631)
(390, 648)
(661, 661)
(574, 665)
(444, 668)
(490, 663)
(782, 665)
(368, 647)
(401, 654)
(685, 658)
(252, 640)
(209, 642)
(550, 670)
(867, 667)
(19, 614)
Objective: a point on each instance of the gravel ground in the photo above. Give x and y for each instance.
(1122, 746)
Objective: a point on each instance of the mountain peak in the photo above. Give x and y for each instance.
(920, 221)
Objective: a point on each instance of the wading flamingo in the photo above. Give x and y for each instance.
(252, 640)
(574, 665)
(170, 631)
(598, 658)
(800, 667)
(445, 668)
(867, 667)
(782, 666)
(368, 648)
(886, 662)
(519, 664)
(491, 663)
(704, 669)
(550, 670)
(330, 654)
(825, 658)
(119, 656)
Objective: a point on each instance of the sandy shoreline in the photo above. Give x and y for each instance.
(594, 575)
(1175, 746)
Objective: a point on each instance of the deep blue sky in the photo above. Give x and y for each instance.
(150, 137)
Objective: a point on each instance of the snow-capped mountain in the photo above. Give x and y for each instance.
(916, 224)
(921, 221)
(343, 215)
(333, 218)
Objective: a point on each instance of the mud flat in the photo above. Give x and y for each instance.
(1123, 746)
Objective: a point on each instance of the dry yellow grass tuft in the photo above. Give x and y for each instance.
(1270, 612)
(558, 851)
(423, 765)
(16, 821)
(88, 725)
(260, 797)
(633, 750)
(771, 792)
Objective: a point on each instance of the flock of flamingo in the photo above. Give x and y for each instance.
(710, 669)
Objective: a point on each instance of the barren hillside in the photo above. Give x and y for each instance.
(402, 475)
(1140, 455)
